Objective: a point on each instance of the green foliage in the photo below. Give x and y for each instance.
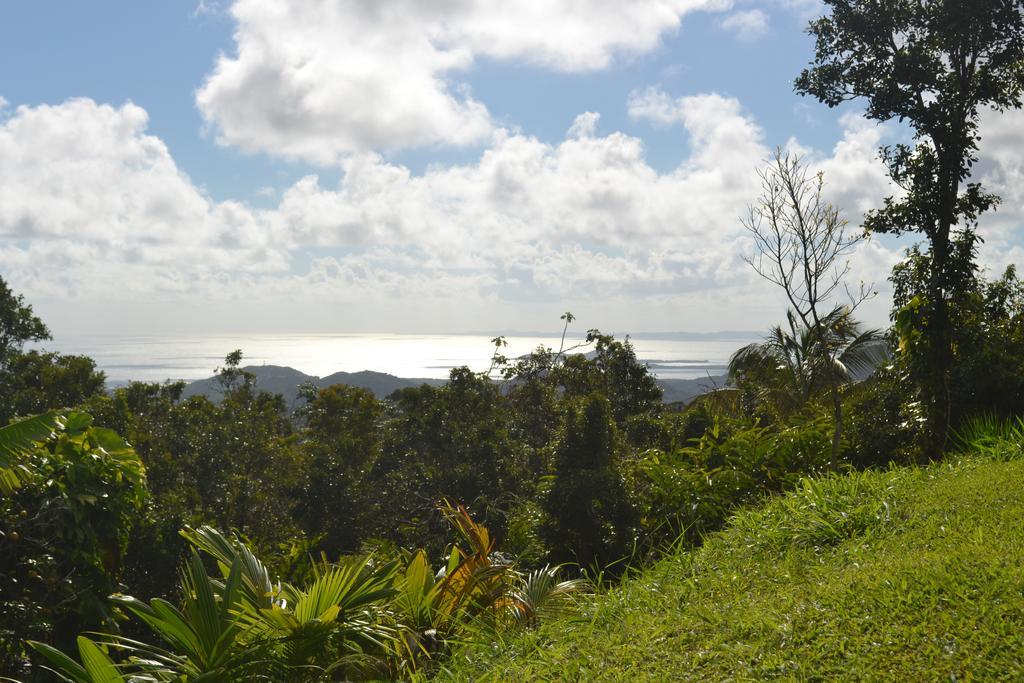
(901, 575)
(782, 374)
(987, 342)
(473, 600)
(17, 324)
(885, 420)
(589, 517)
(242, 627)
(342, 444)
(453, 441)
(65, 522)
(934, 66)
(234, 463)
(358, 619)
(18, 441)
(34, 382)
(994, 437)
(818, 513)
(614, 371)
(693, 489)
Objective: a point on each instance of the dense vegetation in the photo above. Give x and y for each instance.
(902, 574)
(150, 537)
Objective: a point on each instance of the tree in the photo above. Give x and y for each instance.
(17, 323)
(454, 442)
(589, 516)
(801, 242)
(933, 64)
(988, 338)
(793, 366)
(342, 442)
(33, 382)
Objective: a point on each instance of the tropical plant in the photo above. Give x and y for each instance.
(801, 242)
(356, 618)
(72, 493)
(792, 366)
(436, 608)
(542, 595)
(685, 493)
(243, 626)
(473, 597)
(988, 339)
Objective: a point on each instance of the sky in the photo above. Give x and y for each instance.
(191, 167)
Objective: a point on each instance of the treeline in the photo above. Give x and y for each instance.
(568, 458)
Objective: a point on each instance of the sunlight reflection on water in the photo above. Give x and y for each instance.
(152, 358)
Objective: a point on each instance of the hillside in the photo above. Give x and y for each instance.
(286, 381)
(911, 574)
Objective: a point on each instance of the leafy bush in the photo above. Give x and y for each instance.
(886, 422)
(72, 495)
(358, 619)
(693, 489)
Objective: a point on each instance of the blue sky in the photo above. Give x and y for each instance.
(412, 166)
(156, 54)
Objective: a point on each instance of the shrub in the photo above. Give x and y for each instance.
(71, 495)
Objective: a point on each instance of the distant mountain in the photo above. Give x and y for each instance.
(279, 379)
(286, 381)
(380, 383)
(685, 390)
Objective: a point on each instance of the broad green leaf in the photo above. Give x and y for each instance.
(97, 663)
(17, 441)
(63, 666)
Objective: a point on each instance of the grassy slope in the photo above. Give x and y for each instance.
(913, 574)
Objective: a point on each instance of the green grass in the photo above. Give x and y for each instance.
(909, 575)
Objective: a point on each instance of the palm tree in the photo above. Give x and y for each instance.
(792, 366)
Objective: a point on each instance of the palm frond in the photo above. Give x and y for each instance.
(17, 442)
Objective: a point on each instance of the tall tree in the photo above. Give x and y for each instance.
(801, 242)
(590, 519)
(933, 64)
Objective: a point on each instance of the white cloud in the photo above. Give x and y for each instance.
(320, 79)
(204, 7)
(1001, 171)
(655, 105)
(93, 209)
(584, 125)
(855, 177)
(83, 183)
(84, 189)
(526, 202)
(747, 24)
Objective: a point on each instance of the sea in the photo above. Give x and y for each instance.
(159, 358)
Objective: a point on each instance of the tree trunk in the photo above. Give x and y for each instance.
(939, 332)
(837, 430)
